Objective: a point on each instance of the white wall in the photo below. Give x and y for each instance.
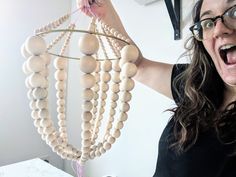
(135, 152)
(19, 139)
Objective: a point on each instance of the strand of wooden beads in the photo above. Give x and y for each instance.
(129, 54)
(38, 85)
(37, 82)
(61, 76)
(96, 90)
(54, 24)
(59, 37)
(88, 45)
(109, 41)
(104, 87)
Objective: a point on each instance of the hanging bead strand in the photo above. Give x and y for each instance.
(53, 25)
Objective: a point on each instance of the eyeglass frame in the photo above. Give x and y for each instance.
(213, 19)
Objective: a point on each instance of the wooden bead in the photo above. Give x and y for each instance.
(86, 143)
(30, 94)
(112, 112)
(106, 77)
(107, 65)
(39, 93)
(87, 64)
(37, 123)
(126, 96)
(24, 52)
(61, 116)
(88, 44)
(107, 146)
(130, 53)
(53, 144)
(97, 77)
(86, 126)
(103, 103)
(61, 109)
(48, 130)
(60, 85)
(116, 66)
(47, 58)
(60, 75)
(113, 105)
(92, 155)
(103, 95)
(119, 125)
(98, 153)
(40, 131)
(125, 107)
(36, 64)
(98, 67)
(116, 77)
(111, 140)
(88, 94)
(115, 88)
(116, 133)
(87, 80)
(43, 113)
(41, 104)
(44, 72)
(122, 62)
(87, 106)
(127, 84)
(37, 80)
(46, 123)
(123, 116)
(102, 150)
(33, 105)
(86, 134)
(96, 96)
(34, 114)
(61, 102)
(104, 87)
(96, 88)
(128, 70)
(60, 94)
(62, 129)
(27, 83)
(35, 45)
(114, 97)
(62, 123)
(50, 138)
(109, 126)
(60, 63)
(25, 68)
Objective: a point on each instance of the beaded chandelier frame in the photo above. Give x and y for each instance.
(106, 81)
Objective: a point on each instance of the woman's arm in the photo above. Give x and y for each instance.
(153, 74)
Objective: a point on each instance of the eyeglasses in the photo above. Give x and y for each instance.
(204, 29)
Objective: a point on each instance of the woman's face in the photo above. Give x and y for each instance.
(222, 38)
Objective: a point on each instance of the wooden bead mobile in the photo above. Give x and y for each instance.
(107, 64)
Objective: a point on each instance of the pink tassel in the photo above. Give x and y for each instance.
(79, 170)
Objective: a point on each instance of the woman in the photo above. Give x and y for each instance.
(200, 139)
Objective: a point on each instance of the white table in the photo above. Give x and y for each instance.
(32, 168)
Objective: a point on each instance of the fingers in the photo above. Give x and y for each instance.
(85, 7)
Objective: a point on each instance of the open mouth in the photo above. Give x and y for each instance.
(228, 54)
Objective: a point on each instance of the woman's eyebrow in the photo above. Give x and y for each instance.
(206, 13)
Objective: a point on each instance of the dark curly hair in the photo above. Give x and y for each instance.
(198, 110)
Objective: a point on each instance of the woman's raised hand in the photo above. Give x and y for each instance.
(95, 8)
